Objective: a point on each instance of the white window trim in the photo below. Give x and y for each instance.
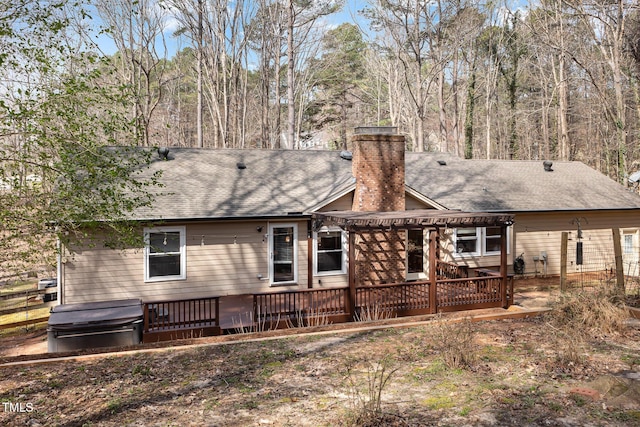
(481, 243)
(633, 235)
(457, 254)
(484, 242)
(295, 253)
(183, 253)
(343, 239)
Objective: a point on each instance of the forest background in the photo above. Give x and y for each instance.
(548, 79)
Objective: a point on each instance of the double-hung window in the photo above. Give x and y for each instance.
(329, 251)
(165, 254)
(478, 241)
(468, 241)
(491, 241)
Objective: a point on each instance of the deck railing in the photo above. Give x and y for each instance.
(447, 270)
(398, 299)
(308, 306)
(469, 293)
(164, 320)
(188, 318)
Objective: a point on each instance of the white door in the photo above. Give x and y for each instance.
(630, 252)
(283, 253)
(416, 255)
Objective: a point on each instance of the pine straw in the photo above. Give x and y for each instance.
(591, 314)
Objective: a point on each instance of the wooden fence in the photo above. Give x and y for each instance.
(25, 302)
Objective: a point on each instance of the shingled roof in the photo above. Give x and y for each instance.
(207, 183)
(514, 186)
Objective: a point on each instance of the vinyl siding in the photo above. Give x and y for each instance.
(223, 258)
(344, 203)
(540, 232)
(413, 203)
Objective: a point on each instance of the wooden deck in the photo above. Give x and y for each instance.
(168, 320)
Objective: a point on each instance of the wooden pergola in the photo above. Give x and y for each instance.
(358, 222)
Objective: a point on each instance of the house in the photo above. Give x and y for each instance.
(547, 199)
(240, 222)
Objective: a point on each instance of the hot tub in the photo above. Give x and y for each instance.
(97, 324)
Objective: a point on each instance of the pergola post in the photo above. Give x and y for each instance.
(433, 258)
(503, 264)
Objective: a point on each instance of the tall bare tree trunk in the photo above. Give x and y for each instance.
(291, 102)
(199, 47)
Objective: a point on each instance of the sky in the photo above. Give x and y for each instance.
(349, 13)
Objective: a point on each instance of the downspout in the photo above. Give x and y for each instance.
(309, 255)
(503, 264)
(59, 271)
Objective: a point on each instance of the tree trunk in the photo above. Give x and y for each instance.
(291, 114)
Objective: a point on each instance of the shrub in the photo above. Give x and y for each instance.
(367, 381)
(456, 343)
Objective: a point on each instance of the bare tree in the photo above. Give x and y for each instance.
(301, 16)
(135, 27)
(606, 23)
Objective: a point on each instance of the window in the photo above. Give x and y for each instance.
(491, 241)
(467, 241)
(628, 244)
(329, 251)
(283, 253)
(415, 251)
(478, 241)
(165, 254)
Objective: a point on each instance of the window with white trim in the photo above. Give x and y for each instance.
(491, 241)
(165, 255)
(627, 246)
(329, 251)
(467, 241)
(478, 241)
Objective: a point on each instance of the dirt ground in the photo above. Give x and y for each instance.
(519, 372)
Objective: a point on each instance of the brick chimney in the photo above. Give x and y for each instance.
(378, 167)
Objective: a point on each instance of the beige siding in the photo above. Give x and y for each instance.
(413, 203)
(331, 281)
(541, 232)
(344, 203)
(224, 258)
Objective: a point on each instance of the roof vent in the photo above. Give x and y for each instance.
(547, 165)
(347, 155)
(163, 153)
(442, 163)
(241, 165)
